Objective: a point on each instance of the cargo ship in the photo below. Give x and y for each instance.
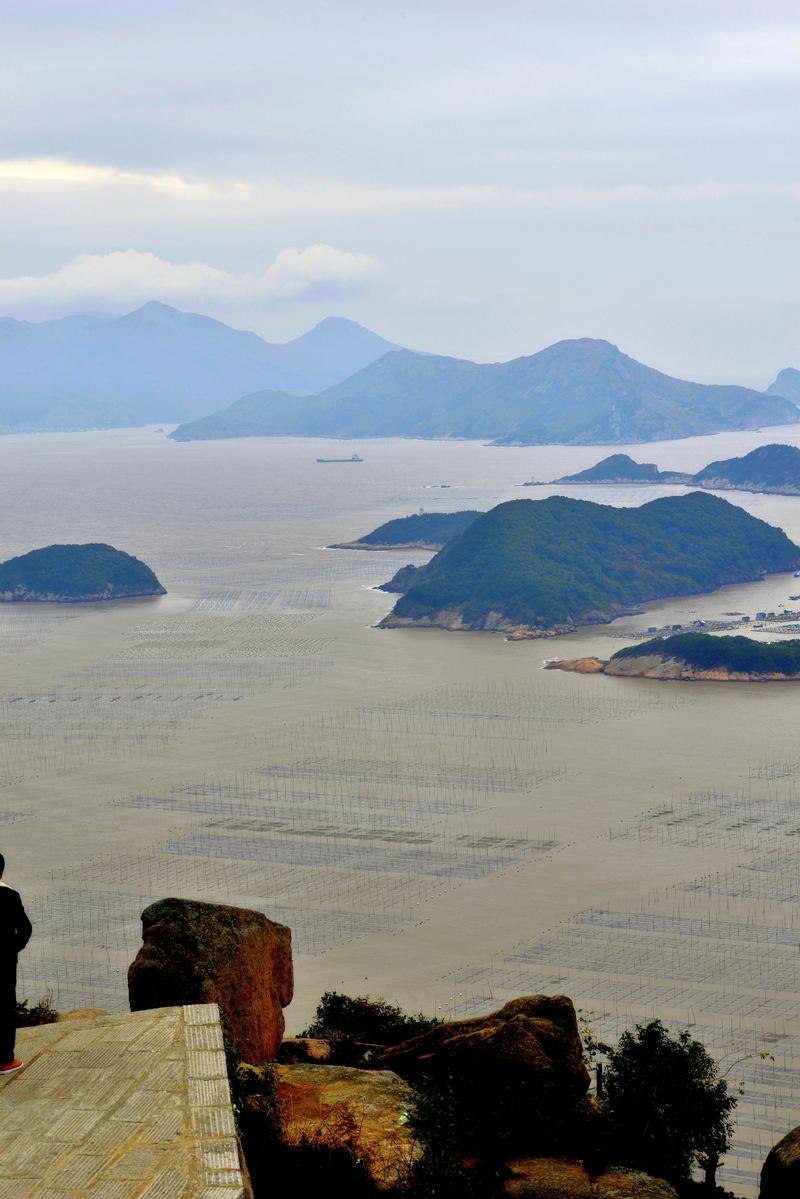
(352, 458)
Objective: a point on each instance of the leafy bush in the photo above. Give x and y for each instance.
(30, 1014)
(328, 1160)
(437, 1117)
(343, 1018)
(668, 1107)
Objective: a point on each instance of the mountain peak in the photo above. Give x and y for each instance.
(598, 344)
(154, 311)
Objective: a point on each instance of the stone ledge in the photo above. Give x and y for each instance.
(121, 1107)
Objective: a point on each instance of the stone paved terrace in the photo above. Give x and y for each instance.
(121, 1107)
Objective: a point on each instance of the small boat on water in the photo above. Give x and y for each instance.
(352, 458)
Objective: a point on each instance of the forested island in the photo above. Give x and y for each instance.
(421, 531)
(697, 656)
(72, 574)
(538, 568)
(773, 469)
(621, 468)
(770, 469)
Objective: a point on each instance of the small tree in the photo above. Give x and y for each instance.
(346, 1018)
(668, 1107)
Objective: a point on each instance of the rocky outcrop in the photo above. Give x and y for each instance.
(364, 1110)
(651, 666)
(559, 1178)
(305, 1049)
(454, 621)
(196, 952)
(532, 1042)
(577, 665)
(780, 1177)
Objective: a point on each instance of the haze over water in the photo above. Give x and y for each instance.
(440, 821)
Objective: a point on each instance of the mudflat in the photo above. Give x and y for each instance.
(439, 819)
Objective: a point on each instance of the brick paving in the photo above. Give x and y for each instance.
(121, 1107)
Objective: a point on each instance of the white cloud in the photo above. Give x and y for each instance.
(125, 191)
(126, 278)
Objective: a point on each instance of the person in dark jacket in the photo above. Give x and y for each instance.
(15, 932)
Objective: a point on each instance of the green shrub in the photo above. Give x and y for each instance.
(374, 1021)
(437, 1119)
(668, 1107)
(30, 1014)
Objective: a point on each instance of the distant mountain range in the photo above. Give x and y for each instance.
(579, 392)
(159, 365)
(770, 469)
(787, 385)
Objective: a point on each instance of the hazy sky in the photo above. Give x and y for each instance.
(477, 179)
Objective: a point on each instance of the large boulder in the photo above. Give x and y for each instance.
(342, 1107)
(313, 1050)
(780, 1176)
(558, 1178)
(532, 1043)
(196, 952)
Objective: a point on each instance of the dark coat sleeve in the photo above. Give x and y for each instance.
(23, 926)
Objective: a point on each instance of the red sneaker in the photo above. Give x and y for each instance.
(11, 1067)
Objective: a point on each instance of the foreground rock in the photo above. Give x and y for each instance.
(556, 1178)
(314, 1050)
(531, 1042)
(780, 1177)
(341, 1106)
(209, 953)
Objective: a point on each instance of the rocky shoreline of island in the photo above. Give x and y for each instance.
(696, 657)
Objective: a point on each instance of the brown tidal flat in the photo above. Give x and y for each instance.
(440, 820)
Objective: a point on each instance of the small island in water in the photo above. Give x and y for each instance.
(695, 657)
(74, 574)
(769, 469)
(621, 468)
(421, 531)
(535, 568)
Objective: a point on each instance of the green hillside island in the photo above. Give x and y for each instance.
(421, 531)
(774, 469)
(73, 574)
(577, 392)
(536, 568)
(697, 657)
(740, 655)
(621, 468)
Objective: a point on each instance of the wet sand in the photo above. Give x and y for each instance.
(441, 821)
